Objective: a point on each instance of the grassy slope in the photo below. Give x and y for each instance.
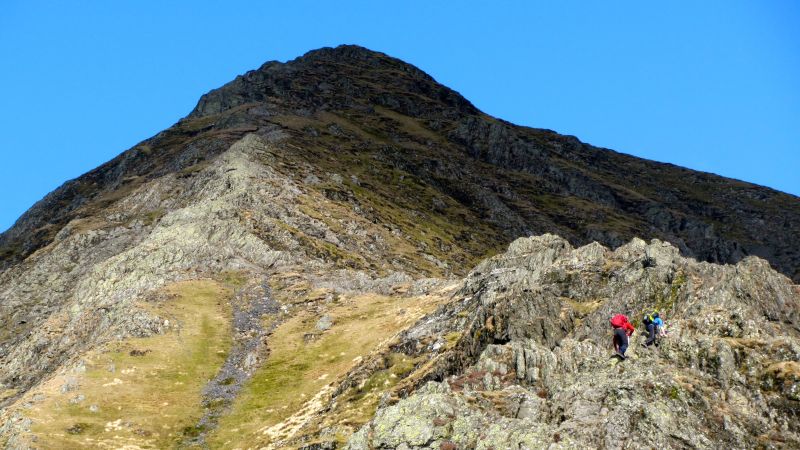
(303, 362)
(391, 202)
(146, 400)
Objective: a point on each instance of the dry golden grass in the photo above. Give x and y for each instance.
(584, 308)
(784, 370)
(154, 390)
(747, 343)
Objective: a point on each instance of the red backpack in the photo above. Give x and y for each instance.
(618, 321)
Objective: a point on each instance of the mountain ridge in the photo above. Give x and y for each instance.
(299, 258)
(564, 167)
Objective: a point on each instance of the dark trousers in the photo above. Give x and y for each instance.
(651, 334)
(620, 340)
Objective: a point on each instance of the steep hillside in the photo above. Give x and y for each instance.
(362, 114)
(290, 258)
(520, 357)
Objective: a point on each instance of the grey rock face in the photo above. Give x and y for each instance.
(533, 348)
(324, 323)
(434, 417)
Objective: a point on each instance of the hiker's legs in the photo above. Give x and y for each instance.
(651, 334)
(620, 341)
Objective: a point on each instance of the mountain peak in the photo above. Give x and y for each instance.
(346, 52)
(291, 258)
(391, 116)
(336, 77)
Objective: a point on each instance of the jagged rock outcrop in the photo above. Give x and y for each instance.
(530, 365)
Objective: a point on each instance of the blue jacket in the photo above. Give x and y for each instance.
(659, 323)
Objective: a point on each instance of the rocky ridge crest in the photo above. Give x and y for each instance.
(520, 357)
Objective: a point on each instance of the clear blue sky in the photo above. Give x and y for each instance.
(710, 85)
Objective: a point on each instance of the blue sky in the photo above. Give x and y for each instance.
(711, 85)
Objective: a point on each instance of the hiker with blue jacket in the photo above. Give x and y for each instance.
(652, 323)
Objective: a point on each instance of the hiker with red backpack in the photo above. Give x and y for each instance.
(622, 330)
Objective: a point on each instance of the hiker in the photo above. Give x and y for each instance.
(652, 323)
(622, 330)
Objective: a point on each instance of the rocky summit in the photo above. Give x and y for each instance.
(339, 252)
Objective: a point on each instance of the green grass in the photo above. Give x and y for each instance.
(232, 278)
(153, 394)
(398, 366)
(297, 370)
(387, 196)
(10, 250)
(666, 303)
(154, 216)
(674, 393)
